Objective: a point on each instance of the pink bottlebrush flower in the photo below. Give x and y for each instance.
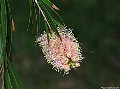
(62, 52)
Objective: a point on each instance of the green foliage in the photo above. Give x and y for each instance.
(41, 7)
(14, 78)
(38, 9)
(50, 5)
(3, 29)
(10, 79)
(95, 23)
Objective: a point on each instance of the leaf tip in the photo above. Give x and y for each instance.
(13, 25)
(55, 7)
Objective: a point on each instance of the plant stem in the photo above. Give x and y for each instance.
(42, 13)
(3, 75)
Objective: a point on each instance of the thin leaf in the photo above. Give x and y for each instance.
(8, 84)
(31, 15)
(9, 32)
(51, 6)
(16, 81)
(1, 32)
(56, 22)
(3, 21)
(37, 19)
(48, 2)
(3, 28)
(49, 18)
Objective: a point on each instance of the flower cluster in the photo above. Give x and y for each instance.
(63, 52)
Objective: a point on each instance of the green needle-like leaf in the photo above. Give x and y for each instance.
(9, 33)
(37, 19)
(49, 4)
(11, 79)
(56, 22)
(1, 32)
(3, 28)
(16, 82)
(31, 14)
(3, 21)
(49, 18)
(8, 84)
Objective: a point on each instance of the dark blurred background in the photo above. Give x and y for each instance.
(96, 24)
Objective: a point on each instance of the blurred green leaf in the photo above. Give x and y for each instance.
(3, 28)
(15, 79)
(31, 15)
(37, 23)
(8, 84)
(0, 36)
(3, 21)
(9, 32)
(11, 79)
